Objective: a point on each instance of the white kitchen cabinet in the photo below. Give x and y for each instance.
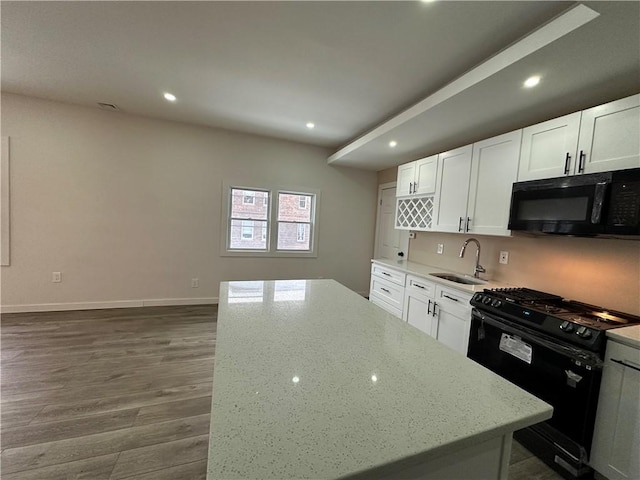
(454, 318)
(387, 288)
(616, 439)
(419, 304)
(548, 148)
(494, 169)
(610, 136)
(440, 311)
(602, 138)
(452, 190)
(418, 177)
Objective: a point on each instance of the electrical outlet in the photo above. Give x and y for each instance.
(56, 277)
(440, 248)
(504, 257)
(195, 283)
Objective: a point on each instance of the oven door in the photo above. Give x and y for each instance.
(566, 377)
(561, 205)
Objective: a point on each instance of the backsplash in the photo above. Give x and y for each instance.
(604, 272)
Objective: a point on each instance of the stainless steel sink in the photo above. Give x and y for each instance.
(452, 277)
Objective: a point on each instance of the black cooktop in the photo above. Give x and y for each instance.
(575, 322)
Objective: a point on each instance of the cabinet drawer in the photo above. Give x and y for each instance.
(623, 353)
(453, 301)
(417, 286)
(389, 274)
(387, 291)
(373, 298)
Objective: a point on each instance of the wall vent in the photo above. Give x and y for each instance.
(109, 106)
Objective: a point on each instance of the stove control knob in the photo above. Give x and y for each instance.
(486, 300)
(567, 327)
(496, 303)
(580, 331)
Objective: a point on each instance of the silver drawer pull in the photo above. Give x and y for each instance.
(387, 274)
(625, 364)
(450, 298)
(419, 286)
(384, 290)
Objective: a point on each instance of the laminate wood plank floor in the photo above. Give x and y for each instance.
(119, 394)
(107, 394)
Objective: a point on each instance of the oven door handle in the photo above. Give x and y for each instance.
(587, 359)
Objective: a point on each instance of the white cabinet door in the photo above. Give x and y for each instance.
(549, 148)
(419, 314)
(610, 136)
(494, 168)
(406, 176)
(452, 189)
(425, 175)
(616, 439)
(453, 331)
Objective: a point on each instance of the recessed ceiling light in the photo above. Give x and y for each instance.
(393, 143)
(532, 81)
(170, 96)
(310, 125)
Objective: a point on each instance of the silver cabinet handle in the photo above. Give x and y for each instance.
(581, 160)
(419, 286)
(384, 290)
(429, 308)
(450, 298)
(434, 308)
(415, 187)
(460, 225)
(411, 188)
(466, 228)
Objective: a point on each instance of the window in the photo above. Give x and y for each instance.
(247, 220)
(248, 197)
(258, 226)
(247, 230)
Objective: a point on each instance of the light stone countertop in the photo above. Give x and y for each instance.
(627, 335)
(425, 271)
(313, 381)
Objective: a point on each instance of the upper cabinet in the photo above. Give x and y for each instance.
(610, 136)
(452, 188)
(417, 178)
(602, 138)
(548, 148)
(494, 168)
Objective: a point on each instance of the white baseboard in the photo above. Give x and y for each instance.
(58, 307)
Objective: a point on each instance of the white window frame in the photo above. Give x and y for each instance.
(271, 221)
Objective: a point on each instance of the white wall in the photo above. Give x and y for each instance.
(128, 208)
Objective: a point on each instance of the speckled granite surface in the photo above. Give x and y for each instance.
(313, 381)
(627, 335)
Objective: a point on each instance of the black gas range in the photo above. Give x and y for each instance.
(554, 349)
(569, 321)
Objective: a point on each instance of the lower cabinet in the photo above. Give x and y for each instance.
(442, 312)
(616, 439)
(387, 289)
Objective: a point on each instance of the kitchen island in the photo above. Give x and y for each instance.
(313, 381)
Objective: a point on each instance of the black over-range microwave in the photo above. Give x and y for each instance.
(605, 204)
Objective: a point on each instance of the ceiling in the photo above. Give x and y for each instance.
(268, 68)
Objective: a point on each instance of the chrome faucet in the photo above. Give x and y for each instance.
(478, 269)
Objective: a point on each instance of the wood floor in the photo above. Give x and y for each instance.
(114, 394)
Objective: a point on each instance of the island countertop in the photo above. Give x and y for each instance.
(313, 381)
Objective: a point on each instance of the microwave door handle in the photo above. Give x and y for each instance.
(598, 201)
